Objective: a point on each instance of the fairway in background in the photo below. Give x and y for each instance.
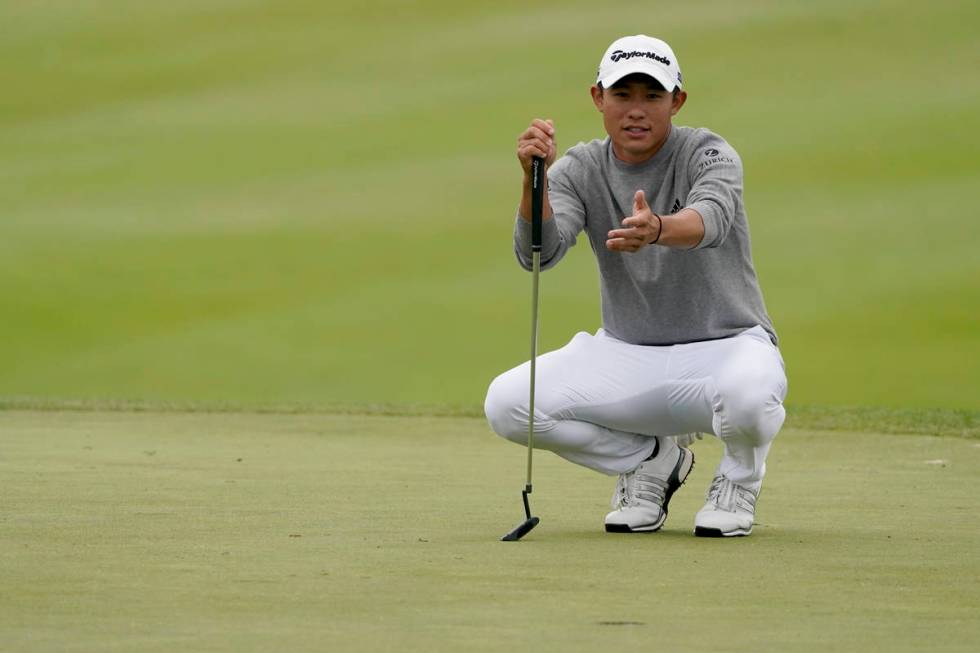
(309, 202)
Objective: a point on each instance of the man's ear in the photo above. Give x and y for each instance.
(678, 102)
(596, 97)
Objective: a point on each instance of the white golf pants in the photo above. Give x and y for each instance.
(600, 402)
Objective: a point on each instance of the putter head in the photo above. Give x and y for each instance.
(522, 529)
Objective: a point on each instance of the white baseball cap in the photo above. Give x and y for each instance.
(639, 54)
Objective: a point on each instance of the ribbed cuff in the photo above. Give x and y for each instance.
(550, 237)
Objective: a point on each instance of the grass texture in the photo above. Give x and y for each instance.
(249, 250)
(935, 421)
(245, 532)
(250, 202)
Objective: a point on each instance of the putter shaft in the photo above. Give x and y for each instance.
(537, 202)
(535, 271)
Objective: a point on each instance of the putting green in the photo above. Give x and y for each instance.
(245, 532)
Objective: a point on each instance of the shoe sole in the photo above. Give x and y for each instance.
(702, 531)
(677, 477)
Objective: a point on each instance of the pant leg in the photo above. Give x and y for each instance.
(599, 402)
(745, 379)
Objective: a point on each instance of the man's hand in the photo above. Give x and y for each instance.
(537, 140)
(640, 229)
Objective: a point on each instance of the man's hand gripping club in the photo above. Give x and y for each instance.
(537, 140)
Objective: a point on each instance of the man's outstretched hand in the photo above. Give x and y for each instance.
(639, 229)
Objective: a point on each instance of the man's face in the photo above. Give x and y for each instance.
(636, 112)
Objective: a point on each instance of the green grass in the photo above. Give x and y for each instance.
(249, 251)
(247, 202)
(944, 422)
(242, 532)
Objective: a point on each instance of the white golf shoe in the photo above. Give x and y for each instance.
(729, 510)
(641, 496)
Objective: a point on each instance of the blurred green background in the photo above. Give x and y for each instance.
(254, 202)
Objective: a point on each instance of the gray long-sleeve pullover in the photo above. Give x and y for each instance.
(658, 295)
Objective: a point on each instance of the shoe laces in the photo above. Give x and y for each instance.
(637, 486)
(729, 496)
(619, 493)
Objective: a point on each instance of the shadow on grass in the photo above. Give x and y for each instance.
(762, 535)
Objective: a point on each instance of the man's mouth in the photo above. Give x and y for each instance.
(636, 131)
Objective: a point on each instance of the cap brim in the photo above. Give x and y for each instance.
(658, 73)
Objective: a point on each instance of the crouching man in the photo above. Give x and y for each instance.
(686, 345)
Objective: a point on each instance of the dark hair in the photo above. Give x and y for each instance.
(650, 81)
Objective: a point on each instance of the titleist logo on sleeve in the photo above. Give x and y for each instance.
(619, 54)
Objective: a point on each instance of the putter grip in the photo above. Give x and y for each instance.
(537, 201)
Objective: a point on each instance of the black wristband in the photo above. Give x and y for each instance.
(660, 231)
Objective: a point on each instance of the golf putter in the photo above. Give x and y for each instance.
(537, 201)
